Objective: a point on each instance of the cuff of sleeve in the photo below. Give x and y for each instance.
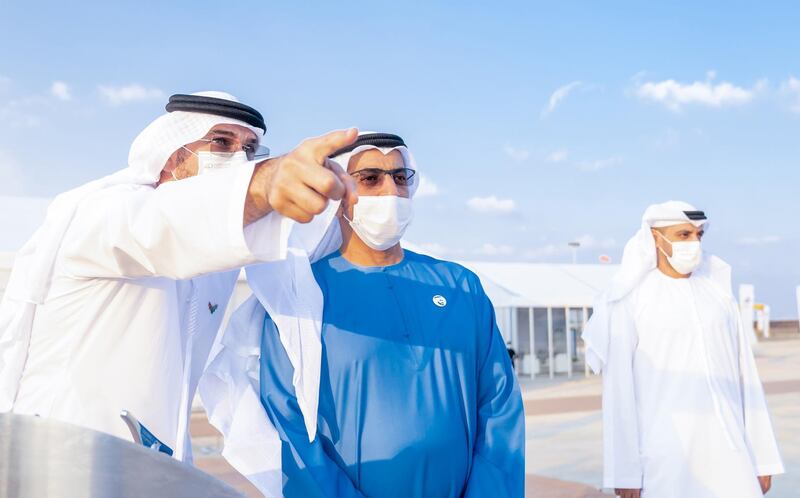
(632, 482)
(770, 469)
(263, 240)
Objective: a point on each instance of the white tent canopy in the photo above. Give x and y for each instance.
(516, 285)
(546, 285)
(541, 309)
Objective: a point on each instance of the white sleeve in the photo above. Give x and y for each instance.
(179, 230)
(622, 466)
(758, 426)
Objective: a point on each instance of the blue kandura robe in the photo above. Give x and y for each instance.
(417, 395)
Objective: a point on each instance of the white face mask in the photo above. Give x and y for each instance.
(381, 220)
(210, 162)
(686, 256)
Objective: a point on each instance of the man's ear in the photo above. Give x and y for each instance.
(656, 237)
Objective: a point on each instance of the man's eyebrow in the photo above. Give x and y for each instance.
(223, 132)
(378, 168)
(227, 133)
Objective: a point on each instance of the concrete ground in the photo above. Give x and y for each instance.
(564, 453)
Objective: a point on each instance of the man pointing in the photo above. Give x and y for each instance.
(116, 300)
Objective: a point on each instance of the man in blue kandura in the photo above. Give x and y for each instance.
(417, 396)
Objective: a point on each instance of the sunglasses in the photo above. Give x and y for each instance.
(223, 145)
(373, 177)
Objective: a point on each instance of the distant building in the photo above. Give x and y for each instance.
(541, 311)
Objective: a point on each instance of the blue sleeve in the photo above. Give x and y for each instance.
(309, 472)
(498, 461)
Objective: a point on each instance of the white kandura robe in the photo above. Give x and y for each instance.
(684, 412)
(140, 286)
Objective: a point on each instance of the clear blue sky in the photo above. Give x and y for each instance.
(533, 123)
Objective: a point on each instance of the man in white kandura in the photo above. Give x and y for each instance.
(684, 413)
(115, 302)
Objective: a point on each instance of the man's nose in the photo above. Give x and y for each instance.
(388, 187)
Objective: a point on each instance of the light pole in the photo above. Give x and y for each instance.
(574, 245)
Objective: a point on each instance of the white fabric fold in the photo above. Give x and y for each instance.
(290, 294)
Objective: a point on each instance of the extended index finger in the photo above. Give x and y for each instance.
(324, 145)
(350, 195)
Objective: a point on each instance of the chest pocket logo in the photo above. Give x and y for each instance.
(439, 301)
(212, 307)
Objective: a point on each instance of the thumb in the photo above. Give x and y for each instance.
(324, 145)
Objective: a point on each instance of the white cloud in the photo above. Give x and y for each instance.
(436, 249)
(426, 188)
(674, 95)
(433, 248)
(550, 251)
(791, 88)
(18, 120)
(491, 204)
(60, 90)
(515, 154)
(488, 249)
(599, 164)
(19, 113)
(558, 156)
(558, 96)
(116, 95)
(760, 241)
(562, 156)
(589, 242)
(544, 251)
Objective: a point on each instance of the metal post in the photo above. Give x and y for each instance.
(511, 331)
(513, 325)
(585, 363)
(569, 342)
(531, 337)
(574, 245)
(550, 340)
